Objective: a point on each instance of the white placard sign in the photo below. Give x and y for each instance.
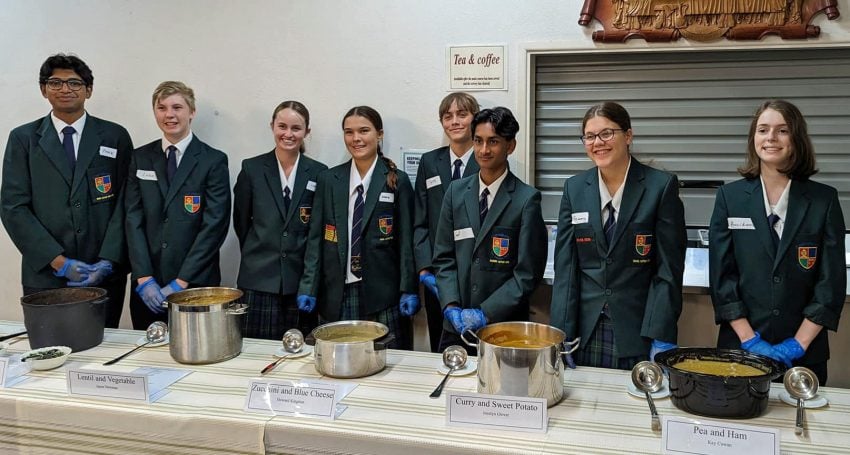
(293, 397)
(706, 437)
(477, 67)
(497, 412)
(411, 159)
(98, 384)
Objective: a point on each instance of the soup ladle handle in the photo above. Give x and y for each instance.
(656, 422)
(439, 390)
(798, 429)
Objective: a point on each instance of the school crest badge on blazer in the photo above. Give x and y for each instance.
(304, 213)
(643, 244)
(103, 183)
(330, 233)
(501, 245)
(807, 256)
(192, 203)
(385, 224)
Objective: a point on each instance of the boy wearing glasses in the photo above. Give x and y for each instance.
(490, 249)
(63, 176)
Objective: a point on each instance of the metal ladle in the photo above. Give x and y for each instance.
(802, 384)
(454, 357)
(293, 342)
(155, 333)
(647, 376)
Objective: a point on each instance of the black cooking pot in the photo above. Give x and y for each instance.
(735, 397)
(72, 317)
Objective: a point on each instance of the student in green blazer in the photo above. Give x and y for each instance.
(272, 208)
(776, 255)
(178, 208)
(437, 169)
(359, 262)
(63, 176)
(490, 248)
(620, 250)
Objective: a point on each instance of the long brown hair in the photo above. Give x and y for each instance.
(299, 109)
(801, 162)
(374, 118)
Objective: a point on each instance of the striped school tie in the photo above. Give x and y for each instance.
(482, 205)
(356, 231)
(610, 223)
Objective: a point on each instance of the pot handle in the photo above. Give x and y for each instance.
(381, 343)
(462, 337)
(237, 308)
(571, 346)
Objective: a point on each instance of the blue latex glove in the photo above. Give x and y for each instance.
(306, 303)
(758, 346)
(453, 315)
(98, 272)
(658, 347)
(569, 361)
(74, 270)
(473, 319)
(171, 288)
(789, 351)
(430, 282)
(151, 295)
(408, 304)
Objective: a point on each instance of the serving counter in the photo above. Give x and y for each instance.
(388, 413)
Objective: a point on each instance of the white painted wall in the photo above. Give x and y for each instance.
(243, 58)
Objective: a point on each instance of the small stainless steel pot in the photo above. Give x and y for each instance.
(338, 358)
(205, 324)
(535, 372)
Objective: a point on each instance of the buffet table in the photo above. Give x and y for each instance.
(388, 413)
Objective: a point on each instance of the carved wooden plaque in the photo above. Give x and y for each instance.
(705, 20)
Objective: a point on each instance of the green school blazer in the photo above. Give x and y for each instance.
(776, 289)
(48, 210)
(639, 276)
(494, 266)
(176, 231)
(273, 239)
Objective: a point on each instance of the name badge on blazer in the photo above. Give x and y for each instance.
(145, 175)
(580, 217)
(741, 223)
(108, 152)
(311, 186)
(386, 197)
(465, 233)
(432, 182)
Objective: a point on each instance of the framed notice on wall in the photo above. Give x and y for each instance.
(477, 67)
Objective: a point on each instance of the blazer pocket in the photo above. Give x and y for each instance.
(100, 183)
(587, 248)
(499, 249)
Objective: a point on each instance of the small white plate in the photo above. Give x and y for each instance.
(818, 401)
(305, 351)
(47, 364)
(3, 346)
(470, 368)
(664, 392)
(143, 340)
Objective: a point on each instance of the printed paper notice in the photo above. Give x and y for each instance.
(477, 68)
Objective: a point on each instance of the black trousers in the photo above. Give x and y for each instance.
(435, 319)
(140, 314)
(115, 287)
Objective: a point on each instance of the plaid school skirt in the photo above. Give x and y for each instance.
(270, 315)
(601, 351)
(390, 317)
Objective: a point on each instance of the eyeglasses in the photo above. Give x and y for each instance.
(606, 135)
(73, 84)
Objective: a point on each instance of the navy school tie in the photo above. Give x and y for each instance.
(68, 145)
(287, 200)
(456, 172)
(482, 205)
(356, 231)
(772, 219)
(610, 223)
(172, 162)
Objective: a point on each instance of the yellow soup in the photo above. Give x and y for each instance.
(718, 368)
(509, 340)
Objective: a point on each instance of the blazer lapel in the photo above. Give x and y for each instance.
(471, 166)
(471, 203)
(379, 176)
(49, 142)
(273, 179)
(632, 194)
(500, 202)
(160, 163)
(89, 147)
(340, 209)
(798, 205)
(755, 207)
(302, 176)
(187, 163)
(444, 169)
(594, 212)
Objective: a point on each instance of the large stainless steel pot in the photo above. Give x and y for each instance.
(205, 324)
(350, 349)
(521, 359)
